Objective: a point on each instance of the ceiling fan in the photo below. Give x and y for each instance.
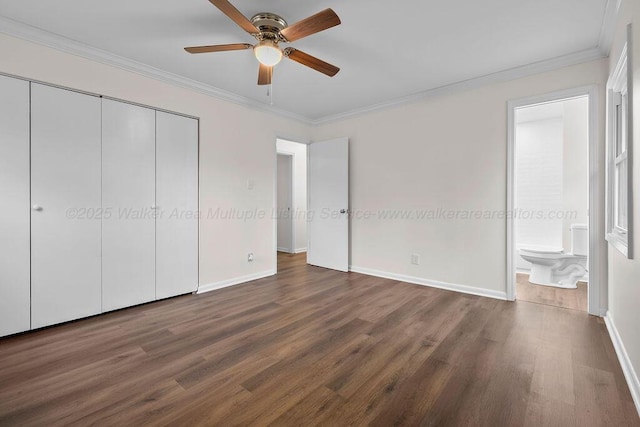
(270, 30)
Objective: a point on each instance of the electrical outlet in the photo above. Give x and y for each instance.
(250, 257)
(415, 259)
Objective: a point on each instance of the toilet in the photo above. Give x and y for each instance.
(554, 267)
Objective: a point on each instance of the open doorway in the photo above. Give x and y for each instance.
(552, 203)
(286, 229)
(291, 200)
(552, 251)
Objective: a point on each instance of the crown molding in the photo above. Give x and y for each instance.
(36, 35)
(608, 29)
(500, 76)
(605, 40)
(26, 32)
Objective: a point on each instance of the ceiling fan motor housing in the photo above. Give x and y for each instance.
(270, 29)
(269, 24)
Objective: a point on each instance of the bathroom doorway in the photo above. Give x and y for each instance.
(549, 201)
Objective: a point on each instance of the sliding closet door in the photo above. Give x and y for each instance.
(14, 206)
(177, 199)
(128, 199)
(65, 198)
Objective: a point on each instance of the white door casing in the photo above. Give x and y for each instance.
(597, 244)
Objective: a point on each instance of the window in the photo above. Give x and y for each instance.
(618, 157)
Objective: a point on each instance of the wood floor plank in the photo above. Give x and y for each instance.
(544, 411)
(312, 410)
(596, 389)
(553, 373)
(574, 299)
(312, 346)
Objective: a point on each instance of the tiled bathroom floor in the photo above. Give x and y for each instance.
(574, 299)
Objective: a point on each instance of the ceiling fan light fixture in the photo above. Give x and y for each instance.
(270, 29)
(268, 53)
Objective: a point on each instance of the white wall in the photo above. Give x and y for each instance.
(299, 152)
(624, 274)
(538, 170)
(447, 152)
(236, 146)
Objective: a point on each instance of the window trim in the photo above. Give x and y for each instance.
(619, 82)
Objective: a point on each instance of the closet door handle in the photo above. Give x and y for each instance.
(36, 208)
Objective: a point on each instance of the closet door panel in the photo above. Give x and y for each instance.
(66, 199)
(128, 199)
(14, 203)
(177, 199)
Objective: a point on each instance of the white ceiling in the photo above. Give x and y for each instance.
(386, 50)
(547, 111)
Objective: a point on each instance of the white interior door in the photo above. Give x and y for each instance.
(177, 203)
(14, 201)
(128, 199)
(65, 198)
(328, 224)
(285, 203)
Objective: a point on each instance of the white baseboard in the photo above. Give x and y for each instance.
(288, 251)
(235, 281)
(431, 283)
(625, 362)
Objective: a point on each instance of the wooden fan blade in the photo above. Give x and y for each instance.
(264, 75)
(311, 25)
(235, 15)
(311, 61)
(218, 48)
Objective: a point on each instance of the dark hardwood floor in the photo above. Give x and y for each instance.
(317, 347)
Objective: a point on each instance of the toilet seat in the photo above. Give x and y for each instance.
(542, 250)
(548, 253)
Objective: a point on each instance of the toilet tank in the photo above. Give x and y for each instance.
(580, 239)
